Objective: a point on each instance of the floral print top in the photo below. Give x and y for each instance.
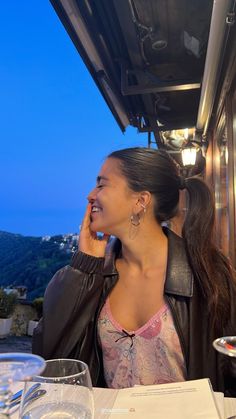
(149, 355)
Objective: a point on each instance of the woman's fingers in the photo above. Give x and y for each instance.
(89, 241)
(86, 219)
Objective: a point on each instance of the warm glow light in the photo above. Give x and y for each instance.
(226, 155)
(189, 156)
(186, 133)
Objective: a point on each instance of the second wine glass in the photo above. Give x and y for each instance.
(68, 392)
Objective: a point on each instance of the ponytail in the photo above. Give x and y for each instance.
(210, 267)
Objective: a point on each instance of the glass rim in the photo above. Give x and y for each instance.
(8, 356)
(221, 347)
(47, 362)
(21, 365)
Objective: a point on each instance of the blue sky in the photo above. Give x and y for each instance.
(55, 126)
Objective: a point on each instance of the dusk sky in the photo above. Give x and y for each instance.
(56, 128)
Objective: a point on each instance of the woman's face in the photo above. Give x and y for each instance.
(112, 200)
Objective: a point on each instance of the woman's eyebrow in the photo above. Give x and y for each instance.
(99, 178)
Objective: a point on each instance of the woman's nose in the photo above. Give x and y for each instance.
(92, 195)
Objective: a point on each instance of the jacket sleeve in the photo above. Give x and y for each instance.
(70, 300)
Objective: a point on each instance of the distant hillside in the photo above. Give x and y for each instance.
(32, 261)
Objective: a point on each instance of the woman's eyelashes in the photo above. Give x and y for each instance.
(100, 186)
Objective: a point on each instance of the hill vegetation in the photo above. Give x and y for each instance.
(31, 261)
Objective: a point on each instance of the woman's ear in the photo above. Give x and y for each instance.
(144, 200)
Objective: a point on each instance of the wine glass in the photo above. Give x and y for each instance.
(226, 345)
(68, 392)
(16, 367)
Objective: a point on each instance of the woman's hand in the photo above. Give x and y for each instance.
(89, 242)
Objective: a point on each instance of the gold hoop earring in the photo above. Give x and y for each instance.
(135, 220)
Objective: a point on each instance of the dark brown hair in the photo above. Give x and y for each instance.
(147, 169)
(211, 268)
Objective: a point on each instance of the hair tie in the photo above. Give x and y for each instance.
(182, 183)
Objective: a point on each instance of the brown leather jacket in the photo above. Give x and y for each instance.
(76, 293)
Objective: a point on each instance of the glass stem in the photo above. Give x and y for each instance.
(5, 396)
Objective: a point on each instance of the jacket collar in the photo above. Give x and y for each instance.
(179, 278)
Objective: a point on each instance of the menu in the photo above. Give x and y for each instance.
(184, 400)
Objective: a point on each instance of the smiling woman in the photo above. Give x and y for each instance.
(142, 308)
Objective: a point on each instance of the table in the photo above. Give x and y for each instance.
(104, 400)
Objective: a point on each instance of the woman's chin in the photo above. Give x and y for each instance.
(97, 228)
(93, 227)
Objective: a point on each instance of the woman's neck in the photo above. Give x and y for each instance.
(146, 249)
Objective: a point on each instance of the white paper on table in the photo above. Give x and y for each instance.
(184, 400)
(104, 399)
(230, 406)
(219, 400)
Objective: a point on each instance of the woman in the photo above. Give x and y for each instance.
(145, 307)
